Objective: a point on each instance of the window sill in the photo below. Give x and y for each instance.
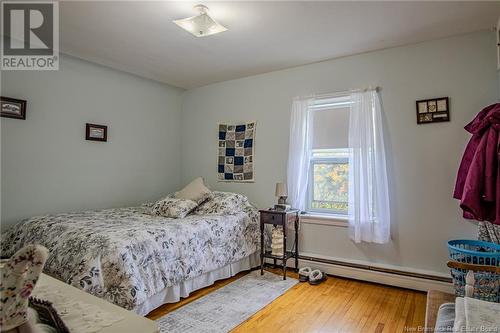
(323, 219)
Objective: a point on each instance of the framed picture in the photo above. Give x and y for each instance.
(95, 132)
(433, 110)
(12, 108)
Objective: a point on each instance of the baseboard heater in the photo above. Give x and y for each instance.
(376, 269)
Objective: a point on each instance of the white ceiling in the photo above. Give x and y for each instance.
(140, 38)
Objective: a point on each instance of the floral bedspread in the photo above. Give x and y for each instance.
(126, 255)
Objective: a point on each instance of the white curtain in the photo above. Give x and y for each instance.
(369, 213)
(299, 152)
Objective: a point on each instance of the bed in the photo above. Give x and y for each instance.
(137, 260)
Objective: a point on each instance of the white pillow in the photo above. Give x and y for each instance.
(196, 191)
(223, 203)
(174, 208)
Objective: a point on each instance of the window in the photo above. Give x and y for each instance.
(329, 181)
(329, 164)
(336, 150)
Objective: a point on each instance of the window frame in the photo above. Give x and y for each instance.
(325, 104)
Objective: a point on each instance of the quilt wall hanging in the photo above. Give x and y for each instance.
(236, 151)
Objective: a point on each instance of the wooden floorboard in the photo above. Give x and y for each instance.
(337, 305)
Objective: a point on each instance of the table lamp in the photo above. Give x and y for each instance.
(282, 193)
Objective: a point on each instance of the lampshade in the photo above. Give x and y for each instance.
(202, 24)
(281, 190)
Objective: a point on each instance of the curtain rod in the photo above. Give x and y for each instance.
(340, 93)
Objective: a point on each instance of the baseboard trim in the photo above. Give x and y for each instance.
(392, 277)
(377, 269)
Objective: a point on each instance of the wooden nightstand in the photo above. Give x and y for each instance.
(277, 217)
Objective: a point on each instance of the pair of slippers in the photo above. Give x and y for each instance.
(313, 276)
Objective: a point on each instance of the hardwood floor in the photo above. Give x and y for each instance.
(337, 305)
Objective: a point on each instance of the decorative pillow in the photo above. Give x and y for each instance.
(173, 207)
(196, 191)
(223, 203)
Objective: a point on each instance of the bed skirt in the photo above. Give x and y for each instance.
(175, 293)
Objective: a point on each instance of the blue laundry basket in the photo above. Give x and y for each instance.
(486, 283)
(474, 252)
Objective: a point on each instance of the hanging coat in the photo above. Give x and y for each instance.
(478, 179)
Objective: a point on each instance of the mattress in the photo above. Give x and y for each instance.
(127, 255)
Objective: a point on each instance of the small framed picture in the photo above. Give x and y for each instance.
(13, 108)
(433, 110)
(95, 132)
(422, 107)
(432, 106)
(442, 105)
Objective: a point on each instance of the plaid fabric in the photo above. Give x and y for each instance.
(236, 152)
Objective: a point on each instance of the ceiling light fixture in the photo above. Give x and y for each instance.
(202, 24)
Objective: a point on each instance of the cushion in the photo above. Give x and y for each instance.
(173, 207)
(223, 203)
(196, 191)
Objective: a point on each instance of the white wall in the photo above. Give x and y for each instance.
(424, 158)
(48, 166)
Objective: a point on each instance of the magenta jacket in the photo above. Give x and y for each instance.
(478, 179)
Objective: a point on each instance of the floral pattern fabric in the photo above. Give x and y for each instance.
(222, 203)
(173, 207)
(19, 275)
(127, 255)
(488, 232)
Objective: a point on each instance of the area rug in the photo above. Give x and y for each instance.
(227, 307)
